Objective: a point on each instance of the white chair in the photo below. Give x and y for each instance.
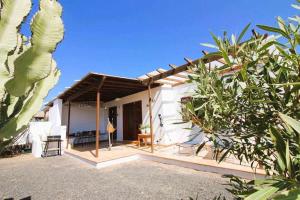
(197, 137)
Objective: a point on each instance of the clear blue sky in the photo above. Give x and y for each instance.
(132, 37)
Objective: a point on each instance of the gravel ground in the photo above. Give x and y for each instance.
(67, 178)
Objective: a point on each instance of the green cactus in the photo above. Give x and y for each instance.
(27, 68)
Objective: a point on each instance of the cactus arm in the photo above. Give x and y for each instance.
(34, 64)
(12, 14)
(20, 47)
(13, 103)
(31, 105)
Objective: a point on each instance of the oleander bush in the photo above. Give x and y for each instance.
(251, 103)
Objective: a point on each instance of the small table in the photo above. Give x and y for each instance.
(52, 139)
(144, 137)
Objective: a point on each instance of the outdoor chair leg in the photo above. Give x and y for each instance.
(45, 150)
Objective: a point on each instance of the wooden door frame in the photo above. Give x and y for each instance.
(125, 137)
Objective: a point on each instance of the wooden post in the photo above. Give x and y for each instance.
(97, 123)
(150, 116)
(98, 115)
(68, 128)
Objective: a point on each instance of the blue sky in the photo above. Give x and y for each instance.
(132, 37)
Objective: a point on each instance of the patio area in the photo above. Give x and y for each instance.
(128, 151)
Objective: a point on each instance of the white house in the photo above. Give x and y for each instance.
(127, 107)
(91, 102)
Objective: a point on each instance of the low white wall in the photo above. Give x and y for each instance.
(38, 132)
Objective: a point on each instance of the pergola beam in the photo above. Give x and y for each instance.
(170, 72)
(184, 67)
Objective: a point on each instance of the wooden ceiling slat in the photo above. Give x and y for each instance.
(111, 88)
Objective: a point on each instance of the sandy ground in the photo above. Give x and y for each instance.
(67, 178)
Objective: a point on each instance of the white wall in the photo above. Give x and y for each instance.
(141, 96)
(166, 101)
(175, 130)
(55, 112)
(82, 117)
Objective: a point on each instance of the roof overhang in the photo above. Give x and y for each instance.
(110, 88)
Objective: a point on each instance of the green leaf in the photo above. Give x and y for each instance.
(209, 45)
(243, 33)
(233, 40)
(280, 147)
(274, 30)
(224, 155)
(288, 158)
(217, 41)
(289, 195)
(281, 23)
(263, 194)
(286, 84)
(200, 147)
(266, 46)
(291, 122)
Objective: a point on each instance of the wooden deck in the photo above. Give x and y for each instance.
(162, 154)
(119, 150)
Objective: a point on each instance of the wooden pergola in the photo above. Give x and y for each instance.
(102, 88)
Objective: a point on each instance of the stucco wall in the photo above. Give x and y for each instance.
(166, 101)
(82, 117)
(55, 112)
(175, 130)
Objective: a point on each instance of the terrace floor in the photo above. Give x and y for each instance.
(163, 154)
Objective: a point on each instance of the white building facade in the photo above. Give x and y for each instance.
(168, 125)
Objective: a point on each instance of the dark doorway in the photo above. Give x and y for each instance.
(112, 116)
(132, 118)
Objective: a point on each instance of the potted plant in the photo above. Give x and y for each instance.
(144, 128)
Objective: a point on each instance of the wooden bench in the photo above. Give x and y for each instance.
(143, 137)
